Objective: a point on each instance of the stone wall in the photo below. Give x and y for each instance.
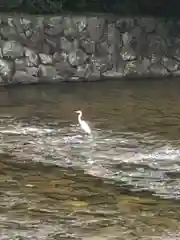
(35, 49)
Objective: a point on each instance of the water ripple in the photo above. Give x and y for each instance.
(139, 160)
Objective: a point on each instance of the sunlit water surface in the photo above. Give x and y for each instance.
(123, 182)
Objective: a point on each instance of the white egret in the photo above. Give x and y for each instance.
(82, 123)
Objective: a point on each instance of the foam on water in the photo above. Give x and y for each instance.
(140, 160)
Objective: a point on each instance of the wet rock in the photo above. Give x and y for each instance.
(65, 70)
(8, 32)
(32, 71)
(1, 81)
(70, 28)
(52, 42)
(6, 69)
(125, 24)
(47, 73)
(130, 69)
(20, 64)
(137, 68)
(22, 26)
(127, 53)
(45, 59)
(1, 55)
(79, 47)
(46, 49)
(37, 39)
(95, 28)
(54, 26)
(114, 37)
(102, 50)
(126, 38)
(87, 45)
(113, 74)
(60, 56)
(170, 64)
(81, 72)
(76, 58)
(156, 45)
(102, 64)
(65, 44)
(158, 70)
(175, 53)
(12, 49)
(23, 77)
(80, 22)
(32, 58)
(91, 73)
(147, 24)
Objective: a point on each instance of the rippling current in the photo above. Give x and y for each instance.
(135, 149)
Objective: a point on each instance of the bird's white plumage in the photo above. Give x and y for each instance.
(82, 123)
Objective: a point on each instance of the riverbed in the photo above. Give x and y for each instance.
(121, 183)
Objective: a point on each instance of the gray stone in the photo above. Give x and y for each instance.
(46, 49)
(54, 26)
(12, 49)
(6, 69)
(70, 28)
(45, 59)
(1, 81)
(87, 45)
(130, 68)
(113, 74)
(73, 48)
(102, 50)
(60, 56)
(65, 70)
(170, 64)
(93, 74)
(95, 27)
(127, 53)
(20, 63)
(8, 32)
(81, 72)
(124, 24)
(80, 23)
(48, 73)
(32, 71)
(102, 64)
(139, 68)
(156, 45)
(32, 58)
(52, 42)
(147, 24)
(126, 38)
(113, 36)
(22, 27)
(23, 78)
(76, 58)
(65, 45)
(158, 70)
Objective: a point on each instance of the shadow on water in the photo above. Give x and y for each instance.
(57, 183)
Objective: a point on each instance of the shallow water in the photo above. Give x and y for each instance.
(122, 183)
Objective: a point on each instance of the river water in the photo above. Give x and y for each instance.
(122, 183)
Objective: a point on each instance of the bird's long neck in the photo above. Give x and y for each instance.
(79, 117)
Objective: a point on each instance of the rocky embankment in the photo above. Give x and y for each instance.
(35, 49)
